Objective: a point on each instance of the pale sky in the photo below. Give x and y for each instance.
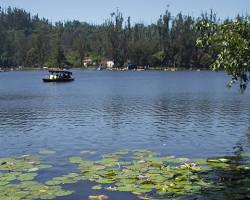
(146, 11)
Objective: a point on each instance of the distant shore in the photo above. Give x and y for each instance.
(93, 68)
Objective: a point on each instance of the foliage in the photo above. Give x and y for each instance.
(231, 41)
(31, 41)
(146, 174)
(17, 180)
(27, 40)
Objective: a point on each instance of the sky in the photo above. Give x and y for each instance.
(145, 11)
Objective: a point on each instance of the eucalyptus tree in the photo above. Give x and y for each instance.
(116, 37)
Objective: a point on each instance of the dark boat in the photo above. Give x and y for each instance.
(59, 76)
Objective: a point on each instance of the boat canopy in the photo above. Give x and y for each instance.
(60, 71)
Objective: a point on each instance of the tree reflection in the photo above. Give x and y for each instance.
(233, 182)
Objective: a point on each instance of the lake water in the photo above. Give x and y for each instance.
(186, 114)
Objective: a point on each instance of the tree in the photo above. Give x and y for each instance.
(116, 36)
(80, 46)
(170, 42)
(58, 58)
(21, 47)
(159, 58)
(41, 43)
(231, 40)
(32, 59)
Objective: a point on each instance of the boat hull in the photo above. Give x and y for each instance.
(47, 80)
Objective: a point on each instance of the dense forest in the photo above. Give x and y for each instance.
(30, 41)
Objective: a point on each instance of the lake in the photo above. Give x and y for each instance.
(185, 114)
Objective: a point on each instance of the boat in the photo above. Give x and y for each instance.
(57, 75)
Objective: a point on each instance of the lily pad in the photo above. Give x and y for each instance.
(26, 176)
(17, 181)
(65, 179)
(21, 164)
(143, 172)
(219, 160)
(76, 160)
(97, 187)
(245, 155)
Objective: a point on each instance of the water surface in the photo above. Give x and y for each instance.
(186, 114)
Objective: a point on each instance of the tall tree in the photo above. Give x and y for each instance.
(115, 34)
(58, 58)
(79, 45)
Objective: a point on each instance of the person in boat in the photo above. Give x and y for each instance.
(59, 76)
(65, 75)
(52, 76)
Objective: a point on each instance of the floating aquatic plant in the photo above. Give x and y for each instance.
(65, 179)
(97, 187)
(145, 172)
(245, 155)
(31, 190)
(25, 163)
(17, 180)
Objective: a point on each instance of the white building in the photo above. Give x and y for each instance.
(110, 64)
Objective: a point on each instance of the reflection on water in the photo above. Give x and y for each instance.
(189, 114)
(184, 113)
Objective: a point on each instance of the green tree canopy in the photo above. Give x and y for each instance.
(31, 41)
(231, 41)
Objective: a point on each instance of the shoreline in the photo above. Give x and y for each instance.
(107, 69)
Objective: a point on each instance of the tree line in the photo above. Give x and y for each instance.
(31, 41)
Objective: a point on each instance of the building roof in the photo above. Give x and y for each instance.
(59, 71)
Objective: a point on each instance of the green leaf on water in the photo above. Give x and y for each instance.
(76, 160)
(243, 167)
(26, 176)
(200, 161)
(126, 188)
(141, 172)
(44, 166)
(102, 180)
(34, 169)
(245, 155)
(97, 187)
(109, 162)
(65, 179)
(219, 160)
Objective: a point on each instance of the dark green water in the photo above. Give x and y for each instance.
(186, 114)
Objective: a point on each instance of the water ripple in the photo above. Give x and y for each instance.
(184, 113)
